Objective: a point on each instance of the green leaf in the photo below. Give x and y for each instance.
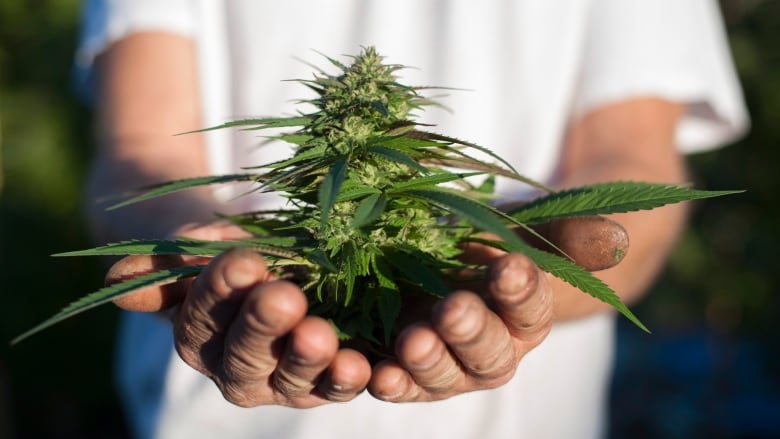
(417, 273)
(488, 186)
(275, 246)
(380, 107)
(605, 198)
(355, 192)
(293, 138)
(397, 156)
(155, 247)
(350, 270)
(259, 124)
(301, 156)
(180, 185)
(406, 143)
(329, 188)
(320, 258)
(433, 180)
(277, 177)
(573, 274)
(105, 295)
(369, 210)
(389, 307)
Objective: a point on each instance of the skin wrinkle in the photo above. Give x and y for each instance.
(493, 364)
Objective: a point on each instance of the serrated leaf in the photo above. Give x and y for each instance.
(405, 143)
(180, 185)
(105, 295)
(329, 188)
(574, 275)
(606, 198)
(258, 124)
(274, 245)
(154, 247)
(368, 210)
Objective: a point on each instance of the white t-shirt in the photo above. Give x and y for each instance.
(528, 68)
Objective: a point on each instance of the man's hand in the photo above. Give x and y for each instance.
(470, 343)
(249, 332)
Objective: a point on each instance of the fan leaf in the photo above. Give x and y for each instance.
(606, 198)
(107, 294)
(180, 185)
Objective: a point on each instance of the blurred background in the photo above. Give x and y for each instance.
(710, 369)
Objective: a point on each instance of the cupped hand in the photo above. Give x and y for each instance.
(248, 331)
(472, 341)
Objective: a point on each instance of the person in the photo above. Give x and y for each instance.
(570, 92)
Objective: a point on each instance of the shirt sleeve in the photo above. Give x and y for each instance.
(671, 49)
(105, 22)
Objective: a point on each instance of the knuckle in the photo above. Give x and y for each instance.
(443, 382)
(236, 395)
(240, 368)
(290, 385)
(497, 373)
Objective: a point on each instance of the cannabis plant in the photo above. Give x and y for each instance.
(378, 207)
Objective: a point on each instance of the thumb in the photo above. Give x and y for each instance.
(153, 298)
(158, 298)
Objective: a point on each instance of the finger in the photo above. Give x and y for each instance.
(158, 298)
(477, 338)
(214, 231)
(255, 343)
(346, 377)
(430, 368)
(155, 298)
(211, 304)
(311, 347)
(391, 382)
(430, 364)
(522, 297)
(593, 242)
(480, 254)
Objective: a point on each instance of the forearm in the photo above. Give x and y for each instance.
(632, 141)
(147, 93)
(112, 178)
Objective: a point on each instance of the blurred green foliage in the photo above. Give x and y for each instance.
(723, 276)
(58, 385)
